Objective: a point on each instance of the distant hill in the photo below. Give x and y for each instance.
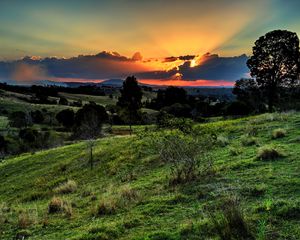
(112, 83)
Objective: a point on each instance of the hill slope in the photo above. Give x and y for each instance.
(127, 195)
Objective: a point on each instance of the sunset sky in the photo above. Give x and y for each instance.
(171, 38)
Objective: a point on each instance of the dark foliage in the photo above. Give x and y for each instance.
(89, 120)
(130, 100)
(63, 101)
(37, 116)
(275, 63)
(238, 108)
(19, 119)
(66, 117)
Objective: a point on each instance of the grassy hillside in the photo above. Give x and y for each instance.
(128, 194)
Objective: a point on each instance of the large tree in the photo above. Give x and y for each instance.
(130, 99)
(275, 63)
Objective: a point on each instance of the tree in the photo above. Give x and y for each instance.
(63, 101)
(168, 97)
(20, 119)
(3, 146)
(275, 63)
(88, 125)
(37, 116)
(130, 99)
(66, 118)
(248, 92)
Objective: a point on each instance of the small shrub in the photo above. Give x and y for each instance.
(278, 133)
(58, 205)
(222, 141)
(268, 153)
(24, 220)
(185, 156)
(55, 205)
(235, 151)
(67, 187)
(128, 194)
(231, 223)
(106, 207)
(22, 234)
(247, 140)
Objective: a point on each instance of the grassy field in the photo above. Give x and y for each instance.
(127, 194)
(102, 100)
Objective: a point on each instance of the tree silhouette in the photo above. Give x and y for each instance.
(66, 117)
(275, 63)
(88, 125)
(130, 99)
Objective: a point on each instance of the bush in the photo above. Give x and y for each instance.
(66, 117)
(235, 151)
(222, 141)
(231, 223)
(278, 133)
(37, 116)
(63, 101)
(24, 220)
(67, 187)
(106, 207)
(247, 140)
(58, 205)
(20, 119)
(127, 195)
(181, 154)
(268, 153)
(165, 120)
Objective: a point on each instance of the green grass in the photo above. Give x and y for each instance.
(102, 100)
(268, 191)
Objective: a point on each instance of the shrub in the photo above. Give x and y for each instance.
(106, 207)
(127, 195)
(235, 151)
(247, 140)
(231, 223)
(269, 153)
(165, 120)
(37, 116)
(181, 154)
(278, 133)
(58, 205)
(24, 220)
(66, 117)
(222, 141)
(67, 187)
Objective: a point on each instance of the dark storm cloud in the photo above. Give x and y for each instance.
(216, 68)
(212, 67)
(102, 65)
(112, 65)
(184, 58)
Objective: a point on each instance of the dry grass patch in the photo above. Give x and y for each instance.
(269, 153)
(278, 133)
(58, 205)
(105, 207)
(68, 187)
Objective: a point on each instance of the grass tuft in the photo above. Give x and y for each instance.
(68, 187)
(269, 153)
(278, 133)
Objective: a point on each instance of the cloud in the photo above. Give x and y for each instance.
(106, 65)
(137, 57)
(208, 66)
(28, 74)
(214, 67)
